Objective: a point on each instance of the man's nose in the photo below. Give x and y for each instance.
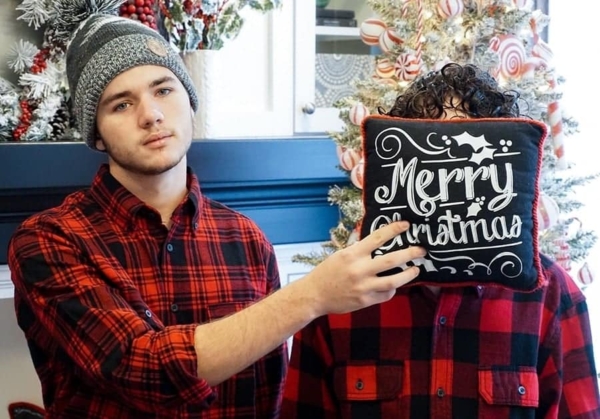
(150, 113)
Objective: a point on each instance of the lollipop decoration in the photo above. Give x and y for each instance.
(511, 52)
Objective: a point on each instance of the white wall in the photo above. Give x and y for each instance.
(19, 381)
(572, 37)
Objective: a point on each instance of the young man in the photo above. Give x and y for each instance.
(142, 298)
(470, 352)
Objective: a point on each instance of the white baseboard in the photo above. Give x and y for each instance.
(6, 286)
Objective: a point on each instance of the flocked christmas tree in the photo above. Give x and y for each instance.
(500, 36)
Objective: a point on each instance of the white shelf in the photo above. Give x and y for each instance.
(336, 33)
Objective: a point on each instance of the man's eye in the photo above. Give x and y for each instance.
(121, 107)
(165, 91)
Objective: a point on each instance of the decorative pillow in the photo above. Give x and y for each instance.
(469, 188)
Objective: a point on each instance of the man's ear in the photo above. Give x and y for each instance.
(100, 143)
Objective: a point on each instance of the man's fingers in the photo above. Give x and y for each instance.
(382, 235)
(396, 258)
(391, 282)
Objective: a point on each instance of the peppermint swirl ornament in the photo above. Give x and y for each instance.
(407, 67)
(511, 52)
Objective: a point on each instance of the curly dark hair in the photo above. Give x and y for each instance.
(464, 88)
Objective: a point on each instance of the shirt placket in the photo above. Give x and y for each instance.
(442, 353)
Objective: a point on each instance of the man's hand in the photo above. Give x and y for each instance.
(348, 281)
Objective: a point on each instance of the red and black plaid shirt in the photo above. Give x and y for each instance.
(470, 353)
(109, 298)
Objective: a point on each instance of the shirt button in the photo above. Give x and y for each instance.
(442, 320)
(174, 308)
(359, 385)
(148, 314)
(440, 392)
(195, 226)
(522, 390)
(169, 247)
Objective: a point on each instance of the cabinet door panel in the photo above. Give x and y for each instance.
(328, 58)
(250, 83)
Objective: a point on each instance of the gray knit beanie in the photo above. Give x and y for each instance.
(104, 46)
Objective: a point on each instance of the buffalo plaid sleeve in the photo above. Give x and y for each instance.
(113, 346)
(568, 378)
(308, 393)
(271, 371)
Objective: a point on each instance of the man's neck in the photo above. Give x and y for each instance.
(162, 192)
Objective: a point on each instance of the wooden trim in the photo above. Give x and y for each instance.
(281, 184)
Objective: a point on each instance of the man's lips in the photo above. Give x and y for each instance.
(157, 138)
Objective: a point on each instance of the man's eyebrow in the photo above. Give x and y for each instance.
(161, 81)
(126, 93)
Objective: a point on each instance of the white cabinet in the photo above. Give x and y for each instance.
(326, 60)
(247, 91)
(280, 76)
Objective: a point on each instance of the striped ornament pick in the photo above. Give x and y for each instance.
(349, 159)
(585, 275)
(371, 29)
(358, 112)
(357, 174)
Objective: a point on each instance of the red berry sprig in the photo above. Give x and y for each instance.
(39, 61)
(140, 10)
(24, 121)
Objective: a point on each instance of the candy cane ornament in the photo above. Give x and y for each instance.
(419, 42)
(541, 50)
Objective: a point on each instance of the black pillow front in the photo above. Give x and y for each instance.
(469, 188)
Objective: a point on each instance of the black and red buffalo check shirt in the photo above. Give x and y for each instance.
(109, 299)
(469, 353)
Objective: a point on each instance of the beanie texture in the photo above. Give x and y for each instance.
(105, 46)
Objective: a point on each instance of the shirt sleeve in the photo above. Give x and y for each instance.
(112, 346)
(271, 372)
(307, 392)
(568, 378)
